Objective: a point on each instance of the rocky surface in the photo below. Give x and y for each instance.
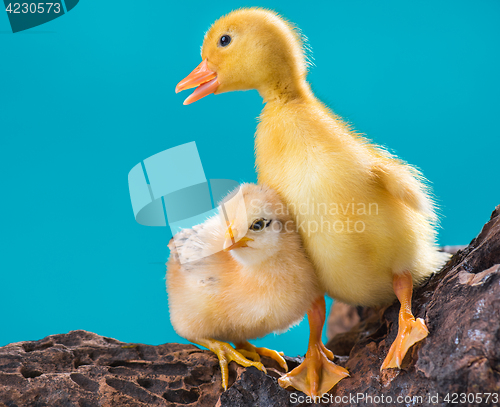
(83, 369)
(461, 306)
(86, 370)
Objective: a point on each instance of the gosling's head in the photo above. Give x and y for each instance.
(259, 229)
(249, 49)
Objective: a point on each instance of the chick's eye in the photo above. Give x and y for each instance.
(259, 224)
(224, 40)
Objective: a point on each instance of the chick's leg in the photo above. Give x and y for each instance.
(226, 354)
(317, 374)
(246, 348)
(410, 331)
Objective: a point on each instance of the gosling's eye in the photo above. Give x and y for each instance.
(259, 224)
(225, 40)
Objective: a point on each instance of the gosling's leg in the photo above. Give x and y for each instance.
(226, 354)
(251, 351)
(410, 331)
(317, 374)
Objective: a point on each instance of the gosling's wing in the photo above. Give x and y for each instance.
(403, 182)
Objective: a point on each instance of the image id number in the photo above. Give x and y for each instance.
(32, 8)
(471, 398)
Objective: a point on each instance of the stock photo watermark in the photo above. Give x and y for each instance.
(427, 399)
(322, 217)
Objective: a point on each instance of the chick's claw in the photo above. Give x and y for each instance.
(249, 355)
(247, 348)
(277, 356)
(226, 354)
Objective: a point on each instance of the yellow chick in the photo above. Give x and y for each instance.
(242, 281)
(366, 218)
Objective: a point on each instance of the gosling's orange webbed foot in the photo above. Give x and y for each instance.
(317, 374)
(252, 352)
(410, 330)
(226, 354)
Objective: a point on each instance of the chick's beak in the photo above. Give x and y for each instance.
(230, 243)
(203, 78)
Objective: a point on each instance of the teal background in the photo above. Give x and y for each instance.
(87, 96)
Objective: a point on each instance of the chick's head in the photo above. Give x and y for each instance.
(249, 49)
(259, 225)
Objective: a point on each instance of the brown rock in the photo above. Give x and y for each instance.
(342, 318)
(83, 369)
(461, 306)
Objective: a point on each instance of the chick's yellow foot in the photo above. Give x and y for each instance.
(226, 354)
(251, 350)
(249, 355)
(317, 374)
(410, 330)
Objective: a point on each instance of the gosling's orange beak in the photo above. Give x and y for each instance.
(230, 243)
(203, 78)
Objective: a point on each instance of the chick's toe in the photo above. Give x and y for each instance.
(226, 354)
(247, 347)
